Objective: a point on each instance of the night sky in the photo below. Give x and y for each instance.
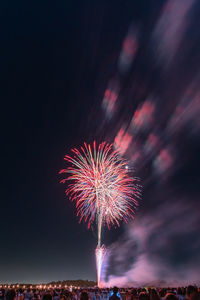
(57, 58)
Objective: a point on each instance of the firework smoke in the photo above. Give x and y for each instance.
(139, 258)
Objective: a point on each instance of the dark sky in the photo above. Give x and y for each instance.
(50, 54)
(56, 60)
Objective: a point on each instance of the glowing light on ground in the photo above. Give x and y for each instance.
(100, 253)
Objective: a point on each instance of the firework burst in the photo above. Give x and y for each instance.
(101, 186)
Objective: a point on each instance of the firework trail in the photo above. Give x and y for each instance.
(102, 189)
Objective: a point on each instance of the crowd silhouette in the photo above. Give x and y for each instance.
(179, 293)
